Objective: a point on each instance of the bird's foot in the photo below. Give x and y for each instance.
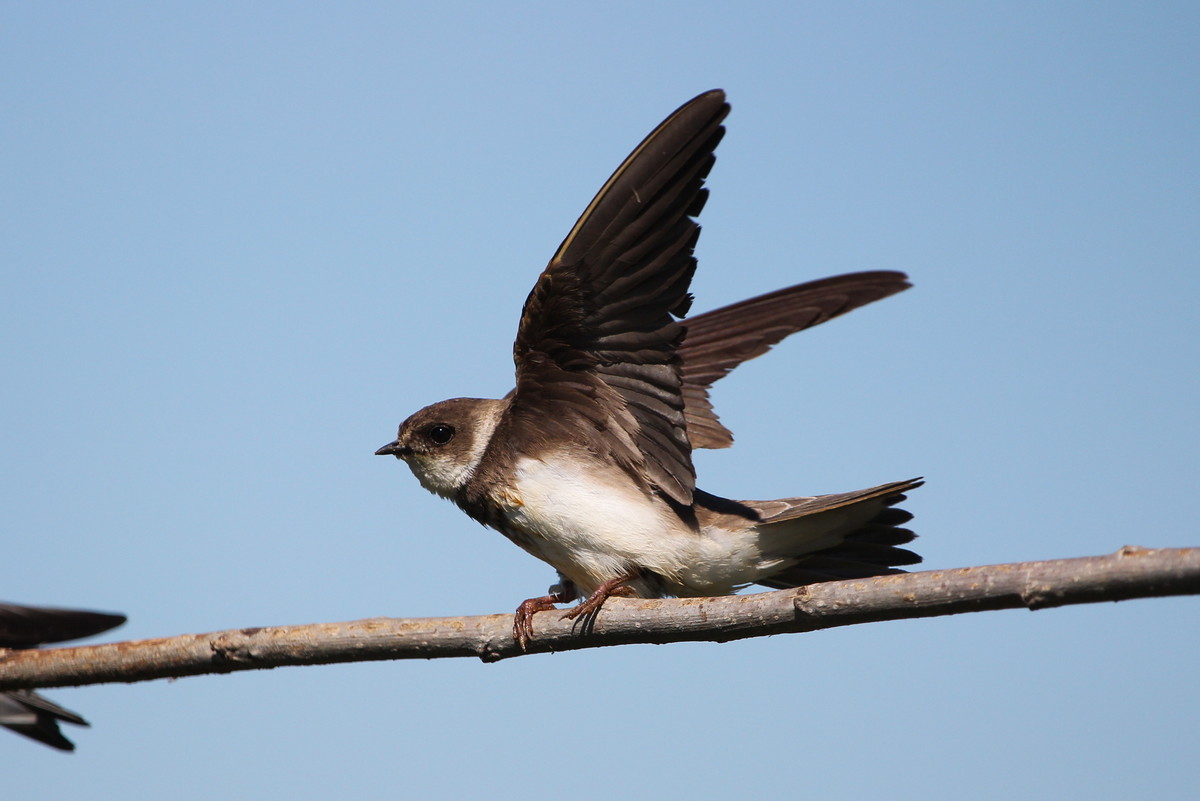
(523, 620)
(590, 606)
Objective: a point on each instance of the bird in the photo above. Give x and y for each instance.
(587, 463)
(25, 711)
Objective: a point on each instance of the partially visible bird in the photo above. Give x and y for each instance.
(25, 711)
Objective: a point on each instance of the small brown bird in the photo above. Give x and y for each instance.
(587, 463)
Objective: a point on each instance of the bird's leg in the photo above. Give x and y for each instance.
(561, 593)
(590, 606)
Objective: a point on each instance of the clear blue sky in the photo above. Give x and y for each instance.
(240, 243)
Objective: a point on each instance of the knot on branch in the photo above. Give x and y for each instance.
(233, 647)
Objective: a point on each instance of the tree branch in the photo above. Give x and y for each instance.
(1129, 573)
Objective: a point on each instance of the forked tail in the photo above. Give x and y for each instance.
(830, 537)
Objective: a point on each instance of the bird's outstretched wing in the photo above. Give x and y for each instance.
(37, 717)
(596, 345)
(720, 340)
(30, 626)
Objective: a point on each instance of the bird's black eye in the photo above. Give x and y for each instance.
(440, 433)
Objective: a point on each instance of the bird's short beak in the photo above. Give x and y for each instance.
(394, 449)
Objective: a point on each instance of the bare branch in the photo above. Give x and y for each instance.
(1129, 573)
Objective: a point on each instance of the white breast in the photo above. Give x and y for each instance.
(593, 524)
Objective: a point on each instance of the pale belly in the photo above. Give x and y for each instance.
(593, 525)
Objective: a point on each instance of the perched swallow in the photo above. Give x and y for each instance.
(587, 463)
(25, 711)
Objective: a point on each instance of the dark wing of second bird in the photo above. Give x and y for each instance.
(25, 711)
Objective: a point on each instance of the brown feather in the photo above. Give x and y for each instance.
(25, 711)
(596, 343)
(720, 340)
(30, 626)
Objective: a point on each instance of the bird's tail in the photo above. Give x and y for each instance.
(830, 537)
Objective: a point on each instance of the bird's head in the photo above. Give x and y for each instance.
(443, 443)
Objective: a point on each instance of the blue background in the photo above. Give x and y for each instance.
(241, 242)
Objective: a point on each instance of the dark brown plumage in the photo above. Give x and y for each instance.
(720, 340)
(597, 338)
(25, 711)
